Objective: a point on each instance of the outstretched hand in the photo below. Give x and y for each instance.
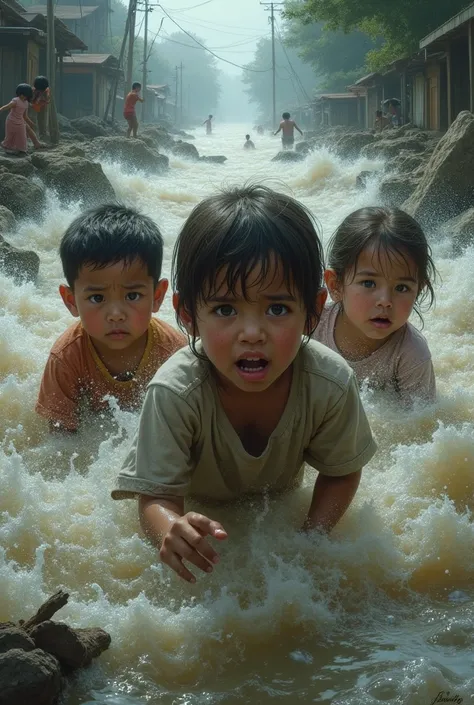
(185, 540)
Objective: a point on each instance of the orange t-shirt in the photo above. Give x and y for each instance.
(74, 371)
(130, 102)
(40, 100)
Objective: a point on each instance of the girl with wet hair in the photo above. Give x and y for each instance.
(253, 397)
(17, 120)
(379, 270)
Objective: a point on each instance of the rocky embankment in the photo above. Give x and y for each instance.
(73, 171)
(37, 656)
(428, 174)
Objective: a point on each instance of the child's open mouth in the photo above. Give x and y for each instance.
(252, 367)
(381, 322)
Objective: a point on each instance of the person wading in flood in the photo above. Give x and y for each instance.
(208, 124)
(287, 128)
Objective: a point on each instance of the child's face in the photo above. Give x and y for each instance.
(378, 297)
(115, 303)
(252, 342)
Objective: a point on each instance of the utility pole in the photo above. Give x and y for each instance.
(132, 11)
(271, 7)
(51, 71)
(145, 60)
(176, 68)
(181, 95)
(113, 92)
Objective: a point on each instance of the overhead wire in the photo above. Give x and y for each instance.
(232, 63)
(303, 89)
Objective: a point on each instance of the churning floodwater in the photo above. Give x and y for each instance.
(380, 612)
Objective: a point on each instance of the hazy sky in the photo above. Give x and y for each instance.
(230, 28)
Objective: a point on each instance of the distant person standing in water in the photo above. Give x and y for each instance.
(248, 143)
(208, 124)
(287, 128)
(129, 111)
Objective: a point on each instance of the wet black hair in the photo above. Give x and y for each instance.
(239, 229)
(24, 89)
(41, 83)
(286, 116)
(394, 233)
(137, 84)
(247, 137)
(109, 234)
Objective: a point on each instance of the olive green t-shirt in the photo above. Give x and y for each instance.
(185, 444)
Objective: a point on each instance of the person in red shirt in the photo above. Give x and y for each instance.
(129, 112)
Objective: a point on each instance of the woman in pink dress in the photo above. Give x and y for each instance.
(15, 124)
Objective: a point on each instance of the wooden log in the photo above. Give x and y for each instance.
(47, 610)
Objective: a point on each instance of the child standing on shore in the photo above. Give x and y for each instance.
(380, 269)
(17, 121)
(111, 259)
(253, 397)
(40, 102)
(129, 110)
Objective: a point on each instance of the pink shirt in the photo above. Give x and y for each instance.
(17, 113)
(402, 365)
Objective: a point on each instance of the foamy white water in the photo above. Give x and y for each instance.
(380, 612)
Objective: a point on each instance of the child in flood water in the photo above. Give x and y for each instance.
(111, 258)
(380, 269)
(287, 129)
(253, 397)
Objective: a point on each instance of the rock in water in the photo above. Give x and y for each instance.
(447, 186)
(133, 152)
(74, 178)
(21, 195)
(21, 167)
(74, 648)
(287, 156)
(12, 637)
(7, 220)
(160, 138)
(460, 231)
(349, 146)
(395, 189)
(186, 150)
(91, 126)
(390, 148)
(29, 678)
(217, 159)
(22, 265)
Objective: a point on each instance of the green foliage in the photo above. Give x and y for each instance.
(339, 57)
(290, 91)
(401, 24)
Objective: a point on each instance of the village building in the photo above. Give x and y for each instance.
(87, 84)
(333, 109)
(87, 21)
(23, 48)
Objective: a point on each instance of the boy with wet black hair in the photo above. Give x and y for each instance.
(111, 257)
(287, 128)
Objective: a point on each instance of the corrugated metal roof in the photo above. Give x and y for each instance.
(337, 96)
(88, 58)
(449, 26)
(64, 12)
(367, 79)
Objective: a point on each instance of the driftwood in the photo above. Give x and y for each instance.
(47, 610)
(35, 655)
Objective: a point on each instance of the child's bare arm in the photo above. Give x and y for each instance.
(279, 130)
(179, 536)
(297, 128)
(8, 106)
(331, 498)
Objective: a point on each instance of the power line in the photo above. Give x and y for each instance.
(244, 68)
(303, 90)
